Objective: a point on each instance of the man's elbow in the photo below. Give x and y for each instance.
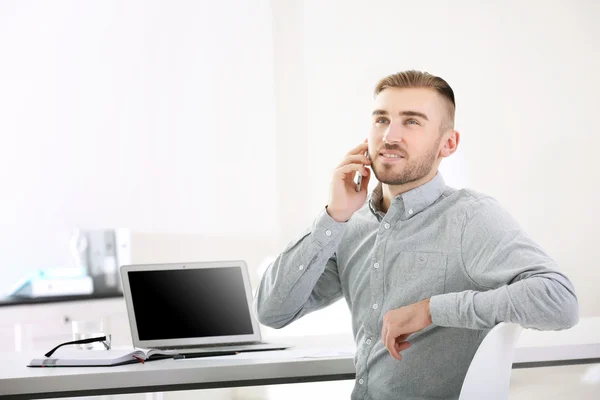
(560, 305)
(267, 316)
(273, 322)
(569, 315)
(565, 314)
(270, 320)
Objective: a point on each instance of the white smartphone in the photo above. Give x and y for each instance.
(358, 177)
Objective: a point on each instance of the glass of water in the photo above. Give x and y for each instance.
(87, 329)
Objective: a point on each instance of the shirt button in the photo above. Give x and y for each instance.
(328, 232)
(375, 306)
(361, 381)
(387, 226)
(410, 211)
(376, 265)
(369, 341)
(301, 267)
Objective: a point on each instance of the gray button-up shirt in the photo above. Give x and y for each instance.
(457, 247)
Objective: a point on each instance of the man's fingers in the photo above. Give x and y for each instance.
(390, 344)
(350, 168)
(355, 159)
(361, 148)
(402, 338)
(393, 342)
(365, 183)
(401, 346)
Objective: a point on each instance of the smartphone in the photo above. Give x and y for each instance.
(358, 177)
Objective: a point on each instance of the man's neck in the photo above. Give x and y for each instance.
(391, 191)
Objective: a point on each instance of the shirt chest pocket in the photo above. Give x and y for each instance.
(413, 276)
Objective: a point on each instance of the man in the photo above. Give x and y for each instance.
(426, 270)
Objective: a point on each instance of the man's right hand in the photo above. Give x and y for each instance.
(344, 200)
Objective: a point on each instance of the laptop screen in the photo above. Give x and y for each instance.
(190, 303)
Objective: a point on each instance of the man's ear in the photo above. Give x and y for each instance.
(450, 141)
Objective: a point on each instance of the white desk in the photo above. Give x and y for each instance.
(580, 344)
(246, 369)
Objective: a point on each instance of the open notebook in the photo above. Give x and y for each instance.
(99, 358)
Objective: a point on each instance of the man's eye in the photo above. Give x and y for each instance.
(381, 120)
(412, 122)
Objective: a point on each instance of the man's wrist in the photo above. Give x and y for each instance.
(334, 215)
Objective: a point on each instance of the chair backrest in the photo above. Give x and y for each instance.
(488, 376)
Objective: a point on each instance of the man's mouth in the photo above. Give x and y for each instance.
(390, 155)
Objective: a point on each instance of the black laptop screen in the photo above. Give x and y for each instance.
(190, 303)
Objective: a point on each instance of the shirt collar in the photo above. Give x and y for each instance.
(415, 200)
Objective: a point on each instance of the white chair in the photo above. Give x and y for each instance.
(488, 376)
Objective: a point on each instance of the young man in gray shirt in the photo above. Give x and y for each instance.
(426, 270)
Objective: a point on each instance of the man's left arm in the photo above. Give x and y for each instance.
(520, 282)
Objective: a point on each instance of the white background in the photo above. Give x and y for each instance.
(211, 128)
(149, 115)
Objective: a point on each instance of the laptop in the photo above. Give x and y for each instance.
(192, 309)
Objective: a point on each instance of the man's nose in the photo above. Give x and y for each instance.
(393, 133)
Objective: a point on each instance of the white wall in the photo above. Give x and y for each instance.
(205, 124)
(156, 116)
(526, 84)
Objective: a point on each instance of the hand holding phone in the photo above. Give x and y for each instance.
(347, 194)
(358, 176)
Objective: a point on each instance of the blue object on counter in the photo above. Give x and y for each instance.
(54, 282)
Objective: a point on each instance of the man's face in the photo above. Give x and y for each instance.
(405, 136)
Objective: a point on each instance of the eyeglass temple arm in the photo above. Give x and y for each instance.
(82, 341)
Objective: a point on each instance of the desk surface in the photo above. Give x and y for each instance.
(329, 358)
(245, 369)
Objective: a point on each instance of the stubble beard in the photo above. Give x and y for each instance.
(412, 171)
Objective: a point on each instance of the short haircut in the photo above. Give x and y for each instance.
(419, 79)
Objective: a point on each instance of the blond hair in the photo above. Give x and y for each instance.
(419, 79)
